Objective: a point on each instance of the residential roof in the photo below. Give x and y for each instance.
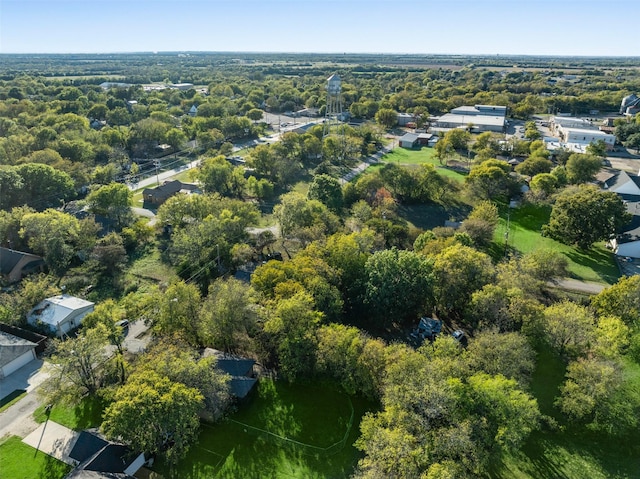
(9, 258)
(56, 309)
(87, 445)
(12, 347)
(169, 189)
(620, 179)
(241, 386)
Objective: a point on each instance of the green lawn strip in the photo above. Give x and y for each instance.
(524, 226)
(86, 414)
(12, 398)
(282, 431)
(20, 461)
(403, 156)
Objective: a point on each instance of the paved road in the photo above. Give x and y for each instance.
(569, 284)
(363, 165)
(165, 175)
(17, 420)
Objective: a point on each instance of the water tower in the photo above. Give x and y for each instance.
(333, 114)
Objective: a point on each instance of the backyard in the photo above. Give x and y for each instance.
(569, 451)
(284, 430)
(520, 228)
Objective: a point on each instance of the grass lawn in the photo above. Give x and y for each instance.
(403, 156)
(82, 416)
(524, 227)
(19, 461)
(150, 268)
(282, 431)
(571, 453)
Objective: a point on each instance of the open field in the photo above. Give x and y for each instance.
(19, 461)
(283, 431)
(522, 229)
(424, 155)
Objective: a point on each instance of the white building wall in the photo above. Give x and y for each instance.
(17, 363)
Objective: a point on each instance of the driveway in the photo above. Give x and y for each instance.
(17, 420)
(55, 440)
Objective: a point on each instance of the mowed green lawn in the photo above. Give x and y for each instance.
(284, 430)
(403, 156)
(523, 227)
(570, 452)
(19, 461)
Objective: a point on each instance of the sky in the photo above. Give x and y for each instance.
(480, 27)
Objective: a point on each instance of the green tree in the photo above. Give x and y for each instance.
(481, 223)
(582, 168)
(508, 354)
(151, 413)
(217, 175)
(112, 201)
(176, 138)
(327, 190)
(292, 323)
(182, 364)
(458, 271)
(52, 234)
(228, 316)
(569, 328)
(79, 365)
(300, 217)
(621, 300)
(583, 215)
(177, 311)
(255, 114)
(490, 179)
(399, 286)
(543, 184)
(387, 117)
(43, 186)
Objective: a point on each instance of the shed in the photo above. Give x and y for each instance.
(15, 352)
(408, 140)
(60, 314)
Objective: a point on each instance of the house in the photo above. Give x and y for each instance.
(60, 314)
(193, 111)
(408, 140)
(622, 183)
(14, 265)
(158, 195)
(95, 457)
(630, 105)
(240, 369)
(15, 352)
(627, 243)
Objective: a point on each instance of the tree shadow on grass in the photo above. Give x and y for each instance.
(89, 412)
(598, 260)
(52, 468)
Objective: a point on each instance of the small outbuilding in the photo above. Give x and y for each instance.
(60, 314)
(408, 140)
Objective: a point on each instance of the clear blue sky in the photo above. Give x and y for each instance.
(532, 27)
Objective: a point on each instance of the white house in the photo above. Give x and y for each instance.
(15, 352)
(60, 314)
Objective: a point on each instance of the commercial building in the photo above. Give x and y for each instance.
(478, 118)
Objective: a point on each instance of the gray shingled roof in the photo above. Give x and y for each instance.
(12, 347)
